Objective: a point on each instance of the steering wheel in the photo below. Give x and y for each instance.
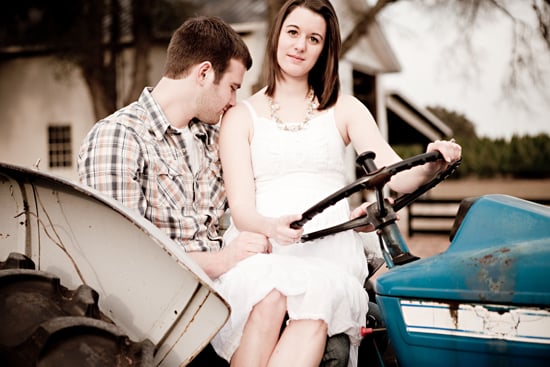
(382, 212)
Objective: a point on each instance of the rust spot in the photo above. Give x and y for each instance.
(493, 271)
(453, 311)
(495, 285)
(487, 259)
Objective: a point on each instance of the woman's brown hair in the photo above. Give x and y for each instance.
(323, 77)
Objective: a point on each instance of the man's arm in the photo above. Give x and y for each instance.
(217, 263)
(110, 161)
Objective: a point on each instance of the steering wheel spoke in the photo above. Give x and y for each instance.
(377, 214)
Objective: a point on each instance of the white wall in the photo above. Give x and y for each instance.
(36, 92)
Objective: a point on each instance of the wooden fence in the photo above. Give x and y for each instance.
(436, 216)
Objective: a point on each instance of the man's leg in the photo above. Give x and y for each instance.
(336, 351)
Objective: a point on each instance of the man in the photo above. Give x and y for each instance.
(159, 156)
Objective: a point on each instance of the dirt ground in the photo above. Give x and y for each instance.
(426, 245)
(526, 189)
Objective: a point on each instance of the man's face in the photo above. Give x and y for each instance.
(221, 96)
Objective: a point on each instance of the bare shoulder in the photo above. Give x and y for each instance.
(347, 101)
(237, 121)
(256, 101)
(348, 107)
(236, 115)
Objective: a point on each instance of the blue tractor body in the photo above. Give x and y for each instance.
(485, 301)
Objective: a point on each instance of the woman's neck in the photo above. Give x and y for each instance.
(291, 89)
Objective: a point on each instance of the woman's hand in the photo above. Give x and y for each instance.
(450, 151)
(281, 232)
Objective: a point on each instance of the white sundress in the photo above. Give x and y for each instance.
(322, 279)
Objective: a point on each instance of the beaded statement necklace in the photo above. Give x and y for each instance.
(293, 126)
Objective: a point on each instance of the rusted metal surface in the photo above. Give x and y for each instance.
(146, 283)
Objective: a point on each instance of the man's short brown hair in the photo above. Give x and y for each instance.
(202, 39)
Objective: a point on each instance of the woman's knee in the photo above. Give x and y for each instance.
(321, 326)
(272, 305)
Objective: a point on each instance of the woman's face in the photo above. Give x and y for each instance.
(301, 41)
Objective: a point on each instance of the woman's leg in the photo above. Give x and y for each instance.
(261, 332)
(302, 344)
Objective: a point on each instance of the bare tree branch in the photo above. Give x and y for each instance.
(542, 12)
(362, 26)
(142, 29)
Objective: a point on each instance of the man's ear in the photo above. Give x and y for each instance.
(204, 72)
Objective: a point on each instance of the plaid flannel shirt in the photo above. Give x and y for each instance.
(136, 157)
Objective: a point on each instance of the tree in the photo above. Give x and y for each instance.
(460, 125)
(468, 13)
(529, 39)
(76, 32)
(529, 156)
(91, 35)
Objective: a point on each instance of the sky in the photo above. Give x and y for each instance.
(436, 74)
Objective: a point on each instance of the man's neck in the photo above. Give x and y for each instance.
(175, 101)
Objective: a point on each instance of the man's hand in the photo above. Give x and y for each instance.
(216, 263)
(360, 211)
(245, 245)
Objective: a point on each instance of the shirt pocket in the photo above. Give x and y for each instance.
(169, 187)
(210, 190)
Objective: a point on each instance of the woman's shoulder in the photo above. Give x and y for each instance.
(350, 110)
(347, 105)
(241, 115)
(252, 106)
(238, 115)
(346, 101)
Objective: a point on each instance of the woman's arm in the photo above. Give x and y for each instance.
(235, 137)
(357, 126)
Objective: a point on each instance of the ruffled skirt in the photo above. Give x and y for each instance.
(315, 289)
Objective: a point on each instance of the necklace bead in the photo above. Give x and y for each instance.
(293, 126)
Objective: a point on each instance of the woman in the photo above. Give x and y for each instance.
(282, 150)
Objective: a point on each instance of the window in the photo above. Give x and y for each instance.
(59, 145)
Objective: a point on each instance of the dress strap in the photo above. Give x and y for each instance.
(251, 109)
